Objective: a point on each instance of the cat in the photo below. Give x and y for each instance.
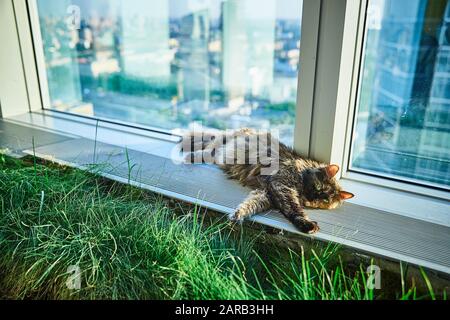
(298, 183)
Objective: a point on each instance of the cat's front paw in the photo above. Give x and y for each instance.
(305, 225)
(311, 227)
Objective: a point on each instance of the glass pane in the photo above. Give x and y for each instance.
(169, 63)
(403, 120)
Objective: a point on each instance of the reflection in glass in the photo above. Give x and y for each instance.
(168, 63)
(403, 120)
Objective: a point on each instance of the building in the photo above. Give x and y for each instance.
(407, 131)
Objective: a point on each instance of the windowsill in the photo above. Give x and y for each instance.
(139, 139)
(373, 195)
(382, 221)
(394, 201)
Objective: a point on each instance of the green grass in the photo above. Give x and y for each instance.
(132, 244)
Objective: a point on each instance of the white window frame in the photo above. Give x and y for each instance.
(330, 59)
(340, 42)
(15, 95)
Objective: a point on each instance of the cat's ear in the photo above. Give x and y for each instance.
(331, 170)
(346, 195)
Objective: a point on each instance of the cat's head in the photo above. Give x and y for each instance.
(321, 190)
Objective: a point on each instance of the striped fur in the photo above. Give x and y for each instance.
(298, 183)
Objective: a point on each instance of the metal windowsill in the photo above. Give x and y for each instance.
(367, 229)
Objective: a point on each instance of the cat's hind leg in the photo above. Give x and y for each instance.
(256, 202)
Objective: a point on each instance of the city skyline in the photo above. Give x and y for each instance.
(225, 73)
(214, 64)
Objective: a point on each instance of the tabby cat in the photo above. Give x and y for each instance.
(297, 183)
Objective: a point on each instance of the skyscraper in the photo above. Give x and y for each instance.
(410, 98)
(145, 38)
(193, 59)
(248, 48)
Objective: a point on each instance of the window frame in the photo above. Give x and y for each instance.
(331, 54)
(15, 92)
(332, 129)
(377, 178)
(29, 14)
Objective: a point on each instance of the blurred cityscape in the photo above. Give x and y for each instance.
(234, 63)
(169, 63)
(403, 123)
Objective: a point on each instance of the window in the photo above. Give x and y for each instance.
(402, 127)
(168, 63)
